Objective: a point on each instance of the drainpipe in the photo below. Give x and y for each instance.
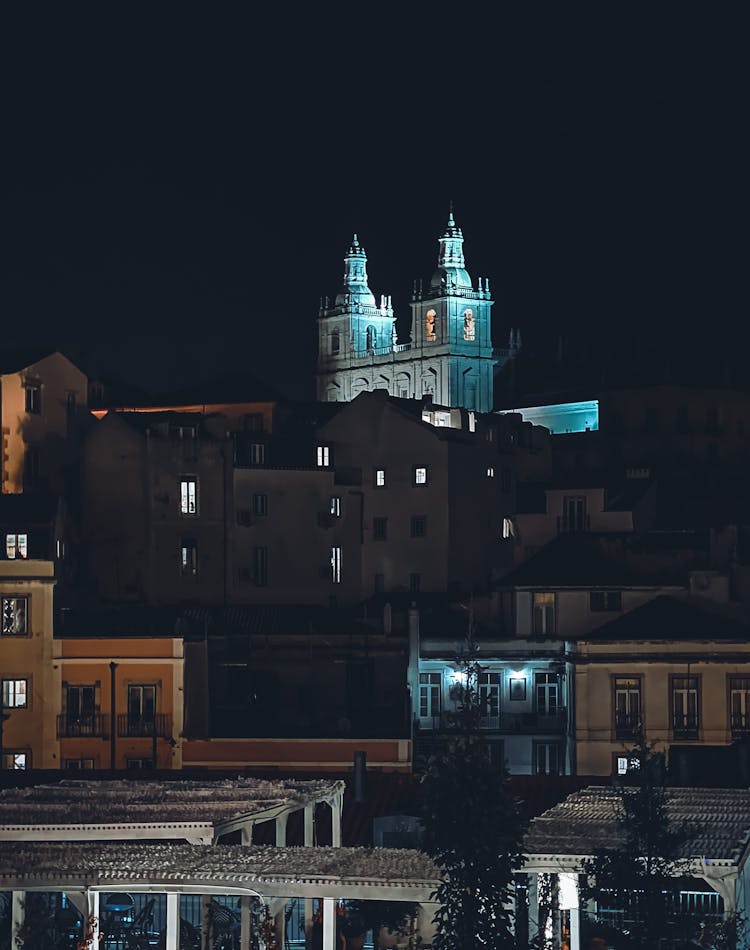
(112, 707)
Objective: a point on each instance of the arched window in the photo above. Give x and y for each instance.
(371, 338)
(429, 326)
(335, 341)
(469, 330)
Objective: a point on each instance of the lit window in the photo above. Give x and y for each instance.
(420, 475)
(336, 506)
(380, 478)
(379, 529)
(15, 694)
(15, 760)
(10, 546)
(188, 496)
(469, 329)
(34, 399)
(15, 616)
(418, 526)
(543, 613)
(508, 529)
(189, 557)
(336, 565)
(429, 695)
(257, 453)
(324, 456)
(490, 472)
(23, 546)
(260, 566)
(622, 765)
(260, 504)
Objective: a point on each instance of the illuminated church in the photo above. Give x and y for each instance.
(450, 355)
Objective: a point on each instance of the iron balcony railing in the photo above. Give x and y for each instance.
(159, 725)
(684, 726)
(95, 726)
(531, 722)
(627, 725)
(740, 724)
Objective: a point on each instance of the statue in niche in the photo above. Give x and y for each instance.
(469, 331)
(429, 326)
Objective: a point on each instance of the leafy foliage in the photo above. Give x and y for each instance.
(472, 829)
(640, 877)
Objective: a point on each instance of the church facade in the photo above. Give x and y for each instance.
(450, 355)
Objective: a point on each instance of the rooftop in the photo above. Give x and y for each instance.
(152, 803)
(271, 871)
(717, 819)
(669, 618)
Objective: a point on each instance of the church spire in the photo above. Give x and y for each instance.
(451, 267)
(355, 287)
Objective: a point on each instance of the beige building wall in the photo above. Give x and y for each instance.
(653, 664)
(61, 403)
(31, 729)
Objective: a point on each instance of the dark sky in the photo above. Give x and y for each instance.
(180, 180)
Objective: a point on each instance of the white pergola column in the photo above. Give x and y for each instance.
(281, 830)
(17, 914)
(245, 922)
(329, 923)
(92, 915)
(205, 921)
(570, 900)
(308, 843)
(247, 833)
(533, 898)
(173, 922)
(336, 809)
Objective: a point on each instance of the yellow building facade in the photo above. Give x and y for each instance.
(121, 702)
(28, 680)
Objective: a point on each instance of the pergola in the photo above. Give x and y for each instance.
(272, 874)
(190, 812)
(715, 851)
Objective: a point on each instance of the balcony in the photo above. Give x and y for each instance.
(533, 723)
(95, 726)
(131, 727)
(684, 726)
(740, 723)
(627, 725)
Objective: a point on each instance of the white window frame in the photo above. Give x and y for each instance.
(336, 564)
(15, 693)
(430, 696)
(336, 506)
(543, 613)
(380, 478)
(420, 475)
(323, 456)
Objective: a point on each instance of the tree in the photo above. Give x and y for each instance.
(472, 829)
(639, 878)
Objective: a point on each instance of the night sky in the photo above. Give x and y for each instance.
(181, 180)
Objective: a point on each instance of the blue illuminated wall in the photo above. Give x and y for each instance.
(563, 417)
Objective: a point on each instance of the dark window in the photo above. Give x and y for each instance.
(605, 600)
(547, 695)
(415, 582)
(574, 513)
(505, 480)
(260, 504)
(34, 399)
(418, 526)
(627, 706)
(379, 585)
(31, 467)
(260, 566)
(739, 704)
(141, 710)
(189, 557)
(71, 404)
(379, 529)
(15, 616)
(547, 758)
(685, 706)
(257, 453)
(429, 695)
